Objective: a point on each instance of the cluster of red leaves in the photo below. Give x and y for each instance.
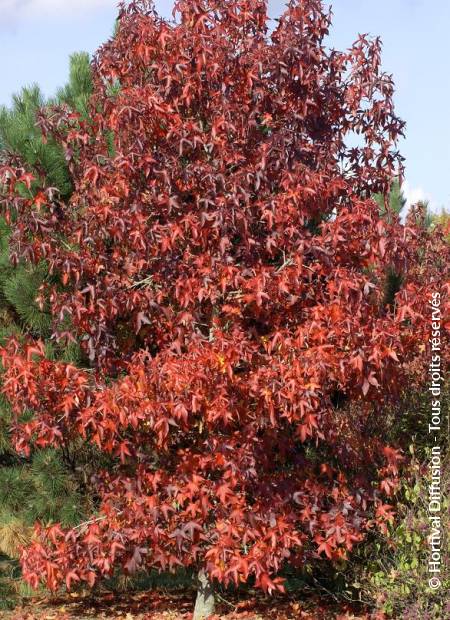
(225, 270)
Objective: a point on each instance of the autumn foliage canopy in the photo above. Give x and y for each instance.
(226, 272)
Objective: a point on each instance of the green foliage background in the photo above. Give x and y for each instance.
(45, 486)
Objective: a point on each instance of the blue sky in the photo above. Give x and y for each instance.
(37, 36)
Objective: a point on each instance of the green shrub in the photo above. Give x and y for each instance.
(394, 572)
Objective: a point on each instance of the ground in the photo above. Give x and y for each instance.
(160, 605)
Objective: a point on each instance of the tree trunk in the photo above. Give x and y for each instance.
(205, 602)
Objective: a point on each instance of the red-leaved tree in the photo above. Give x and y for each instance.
(227, 274)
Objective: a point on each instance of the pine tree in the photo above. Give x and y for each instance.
(78, 90)
(396, 200)
(43, 487)
(20, 135)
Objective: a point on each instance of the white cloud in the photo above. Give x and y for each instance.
(414, 195)
(15, 10)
